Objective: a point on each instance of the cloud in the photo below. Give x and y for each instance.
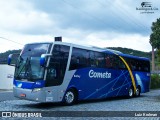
(38, 16)
(102, 40)
(101, 23)
(100, 15)
(133, 41)
(21, 17)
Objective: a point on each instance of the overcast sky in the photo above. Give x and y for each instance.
(102, 23)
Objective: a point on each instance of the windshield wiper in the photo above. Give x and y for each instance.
(28, 70)
(20, 60)
(20, 71)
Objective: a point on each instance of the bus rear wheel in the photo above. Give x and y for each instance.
(130, 92)
(138, 91)
(70, 97)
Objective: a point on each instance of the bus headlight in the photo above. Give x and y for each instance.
(36, 89)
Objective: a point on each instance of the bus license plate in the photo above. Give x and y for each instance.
(23, 95)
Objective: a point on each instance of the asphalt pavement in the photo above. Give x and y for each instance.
(6, 95)
(147, 103)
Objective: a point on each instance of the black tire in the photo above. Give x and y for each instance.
(130, 92)
(138, 91)
(70, 97)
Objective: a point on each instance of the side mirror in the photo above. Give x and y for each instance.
(9, 59)
(43, 59)
(12, 59)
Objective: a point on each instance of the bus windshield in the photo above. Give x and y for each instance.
(27, 66)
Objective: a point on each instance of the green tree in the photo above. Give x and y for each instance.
(155, 39)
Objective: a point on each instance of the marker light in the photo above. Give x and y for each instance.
(36, 89)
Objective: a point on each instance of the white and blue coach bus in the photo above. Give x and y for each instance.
(63, 72)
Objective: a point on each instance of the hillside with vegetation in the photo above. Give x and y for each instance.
(4, 56)
(132, 52)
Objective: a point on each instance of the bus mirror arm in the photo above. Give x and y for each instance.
(43, 59)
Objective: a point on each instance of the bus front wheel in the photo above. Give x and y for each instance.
(70, 97)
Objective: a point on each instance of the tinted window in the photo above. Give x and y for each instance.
(92, 59)
(138, 65)
(121, 64)
(99, 59)
(79, 58)
(109, 61)
(112, 61)
(145, 66)
(57, 65)
(35, 50)
(82, 58)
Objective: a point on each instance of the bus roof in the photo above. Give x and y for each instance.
(135, 57)
(98, 49)
(39, 43)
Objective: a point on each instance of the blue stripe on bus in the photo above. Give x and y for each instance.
(107, 84)
(110, 91)
(117, 85)
(128, 82)
(29, 85)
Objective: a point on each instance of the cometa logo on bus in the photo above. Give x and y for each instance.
(93, 74)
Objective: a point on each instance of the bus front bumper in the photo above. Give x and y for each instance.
(29, 94)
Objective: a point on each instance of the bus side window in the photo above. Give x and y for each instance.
(92, 59)
(115, 61)
(146, 66)
(108, 61)
(52, 72)
(121, 64)
(133, 64)
(99, 59)
(57, 65)
(138, 66)
(111, 61)
(79, 59)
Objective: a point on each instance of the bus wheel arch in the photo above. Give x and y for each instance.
(71, 96)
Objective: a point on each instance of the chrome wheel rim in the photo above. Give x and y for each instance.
(137, 92)
(69, 97)
(130, 92)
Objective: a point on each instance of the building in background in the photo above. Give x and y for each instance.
(6, 76)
